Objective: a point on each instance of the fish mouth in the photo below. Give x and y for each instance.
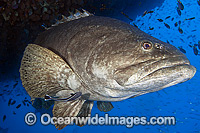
(168, 63)
(162, 73)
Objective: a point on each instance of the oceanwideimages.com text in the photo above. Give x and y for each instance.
(128, 121)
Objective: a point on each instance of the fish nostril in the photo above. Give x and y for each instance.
(159, 46)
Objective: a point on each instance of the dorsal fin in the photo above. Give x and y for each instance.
(78, 14)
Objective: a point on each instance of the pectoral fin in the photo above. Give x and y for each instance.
(85, 111)
(104, 106)
(43, 72)
(66, 109)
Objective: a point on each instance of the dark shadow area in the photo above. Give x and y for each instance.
(21, 22)
(114, 8)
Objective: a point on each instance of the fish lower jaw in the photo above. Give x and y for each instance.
(111, 94)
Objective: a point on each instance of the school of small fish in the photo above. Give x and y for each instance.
(182, 30)
(179, 7)
(6, 91)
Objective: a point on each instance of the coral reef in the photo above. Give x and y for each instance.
(20, 13)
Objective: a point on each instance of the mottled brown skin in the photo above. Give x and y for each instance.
(106, 52)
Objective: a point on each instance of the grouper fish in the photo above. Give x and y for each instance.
(89, 58)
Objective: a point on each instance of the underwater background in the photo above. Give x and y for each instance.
(165, 20)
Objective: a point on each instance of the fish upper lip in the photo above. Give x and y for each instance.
(183, 61)
(158, 60)
(178, 64)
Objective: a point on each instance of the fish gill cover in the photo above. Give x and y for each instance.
(181, 101)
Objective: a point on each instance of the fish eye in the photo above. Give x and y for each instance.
(147, 45)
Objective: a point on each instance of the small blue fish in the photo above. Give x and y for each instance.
(198, 1)
(70, 98)
(166, 25)
(180, 30)
(197, 45)
(18, 106)
(180, 5)
(195, 50)
(9, 102)
(181, 49)
(179, 22)
(167, 17)
(15, 85)
(190, 18)
(24, 103)
(44, 26)
(176, 24)
(150, 11)
(127, 16)
(178, 11)
(160, 20)
(190, 46)
(151, 28)
(4, 117)
(145, 12)
(13, 102)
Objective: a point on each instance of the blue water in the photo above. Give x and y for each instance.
(181, 100)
